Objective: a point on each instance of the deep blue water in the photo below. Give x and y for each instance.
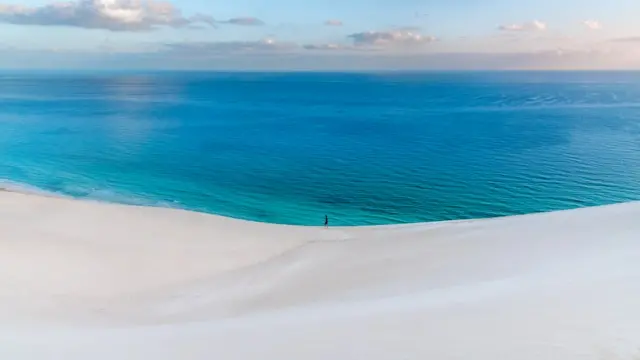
(362, 148)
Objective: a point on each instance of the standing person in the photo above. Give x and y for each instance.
(326, 221)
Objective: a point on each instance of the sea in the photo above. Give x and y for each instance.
(290, 148)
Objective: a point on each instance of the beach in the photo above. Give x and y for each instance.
(91, 280)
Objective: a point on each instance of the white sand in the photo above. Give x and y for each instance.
(83, 280)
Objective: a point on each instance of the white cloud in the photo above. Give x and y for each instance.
(333, 23)
(245, 21)
(115, 15)
(592, 24)
(403, 37)
(534, 25)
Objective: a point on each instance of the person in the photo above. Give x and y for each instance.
(326, 221)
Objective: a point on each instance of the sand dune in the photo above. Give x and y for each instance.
(84, 280)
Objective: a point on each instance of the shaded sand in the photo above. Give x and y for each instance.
(84, 280)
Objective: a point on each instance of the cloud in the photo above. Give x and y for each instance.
(534, 25)
(267, 45)
(402, 37)
(338, 48)
(333, 23)
(114, 15)
(325, 47)
(244, 21)
(631, 39)
(592, 24)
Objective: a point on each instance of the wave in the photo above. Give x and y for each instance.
(83, 192)
(23, 188)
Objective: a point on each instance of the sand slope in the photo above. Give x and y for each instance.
(82, 280)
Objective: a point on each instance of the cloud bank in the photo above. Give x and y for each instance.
(328, 47)
(395, 40)
(270, 55)
(592, 24)
(528, 26)
(244, 21)
(221, 48)
(114, 15)
(404, 38)
(631, 39)
(390, 42)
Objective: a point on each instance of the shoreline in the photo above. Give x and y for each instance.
(26, 189)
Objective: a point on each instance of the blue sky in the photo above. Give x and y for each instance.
(320, 34)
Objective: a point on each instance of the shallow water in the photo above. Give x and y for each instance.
(362, 148)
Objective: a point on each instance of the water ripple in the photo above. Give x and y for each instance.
(289, 148)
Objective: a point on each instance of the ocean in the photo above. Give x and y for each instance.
(362, 148)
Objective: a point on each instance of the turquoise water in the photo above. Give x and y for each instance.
(362, 148)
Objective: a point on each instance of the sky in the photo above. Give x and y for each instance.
(320, 34)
